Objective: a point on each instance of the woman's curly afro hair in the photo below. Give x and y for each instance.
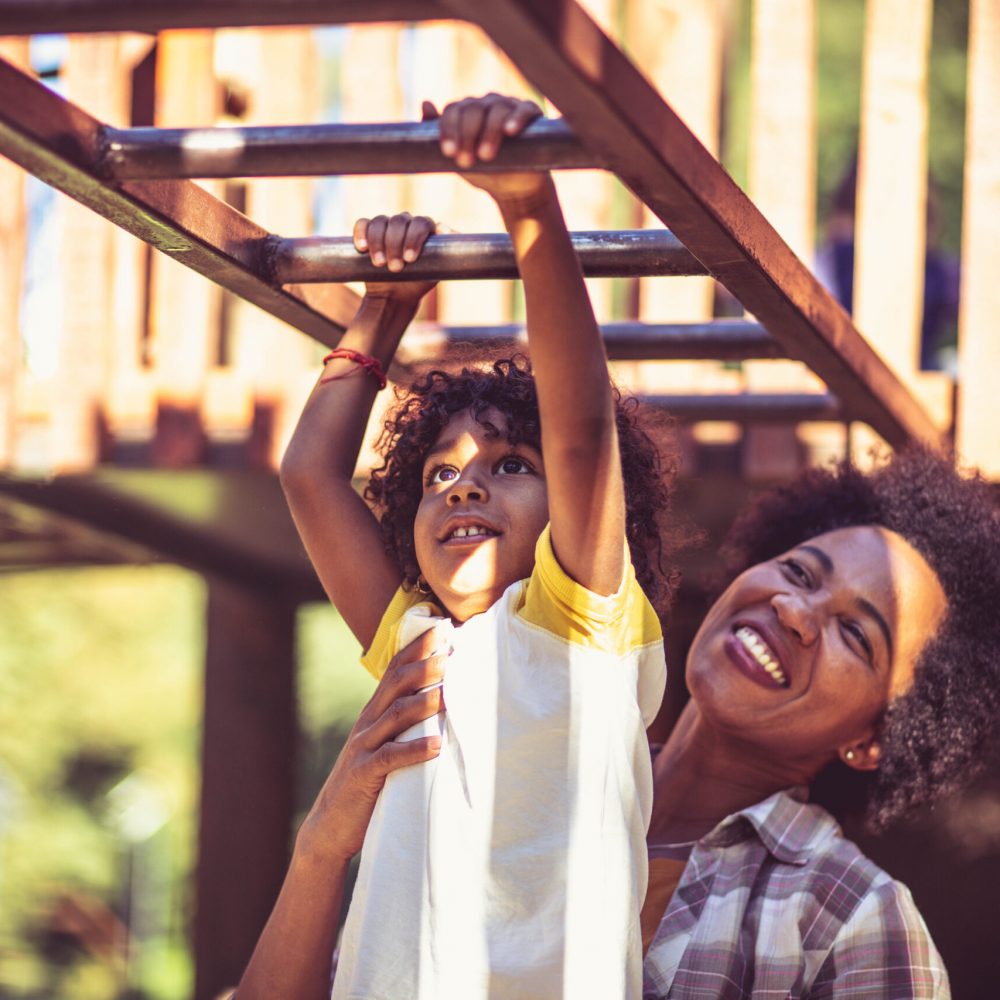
(422, 412)
(934, 736)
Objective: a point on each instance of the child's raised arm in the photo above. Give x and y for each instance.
(340, 533)
(579, 438)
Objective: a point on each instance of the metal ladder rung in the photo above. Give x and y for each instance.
(621, 254)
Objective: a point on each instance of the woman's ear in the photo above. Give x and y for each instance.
(863, 755)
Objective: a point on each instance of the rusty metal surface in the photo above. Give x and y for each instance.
(60, 144)
(621, 254)
(30, 17)
(620, 115)
(721, 340)
(313, 150)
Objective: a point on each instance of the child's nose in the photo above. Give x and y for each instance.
(466, 489)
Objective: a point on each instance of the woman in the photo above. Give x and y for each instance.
(860, 631)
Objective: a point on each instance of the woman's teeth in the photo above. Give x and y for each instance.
(752, 643)
(473, 532)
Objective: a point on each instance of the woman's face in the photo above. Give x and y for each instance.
(801, 655)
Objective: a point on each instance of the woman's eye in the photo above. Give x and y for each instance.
(441, 474)
(512, 466)
(858, 634)
(797, 572)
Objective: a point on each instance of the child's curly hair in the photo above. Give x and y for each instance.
(413, 426)
(933, 737)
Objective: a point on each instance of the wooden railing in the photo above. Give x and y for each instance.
(142, 337)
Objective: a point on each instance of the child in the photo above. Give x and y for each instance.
(513, 865)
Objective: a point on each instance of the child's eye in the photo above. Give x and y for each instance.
(441, 474)
(513, 466)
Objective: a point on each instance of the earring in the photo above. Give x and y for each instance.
(422, 587)
(849, 755)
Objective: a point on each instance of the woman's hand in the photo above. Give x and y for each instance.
(393, 242)
(474, 129)
(335, 826)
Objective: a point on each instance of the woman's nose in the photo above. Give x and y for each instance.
(797, 615)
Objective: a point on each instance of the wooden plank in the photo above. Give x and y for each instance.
(978, 440)
(59, 143)
(617, 112)
(679, 44)
(283, 89)
(32, 17)
(248, 777)
(13, 247)
(782, 183)
(890, 229)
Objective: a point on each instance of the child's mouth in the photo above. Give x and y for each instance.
(469, 533)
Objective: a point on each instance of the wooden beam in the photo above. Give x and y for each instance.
(61, 144)
(616, 112)
(32, 17)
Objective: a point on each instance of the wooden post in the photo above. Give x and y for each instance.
(279, 72)
(978, 438)
(782, 183)
(184, 306)
(13, 246)
(892, 181)
(248, 777)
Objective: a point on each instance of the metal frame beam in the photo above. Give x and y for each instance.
(617, 113)
(61, 144)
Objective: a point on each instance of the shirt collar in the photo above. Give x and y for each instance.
(789, 827)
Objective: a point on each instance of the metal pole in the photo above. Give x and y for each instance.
(751, 408)
(627, 253)
(313, 150)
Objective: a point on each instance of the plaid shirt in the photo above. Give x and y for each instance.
(776, 903)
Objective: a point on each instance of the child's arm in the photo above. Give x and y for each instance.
(579, 438)
(340, 533)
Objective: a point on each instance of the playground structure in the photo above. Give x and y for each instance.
(159, 369)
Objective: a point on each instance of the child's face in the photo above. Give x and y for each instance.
(483, 508)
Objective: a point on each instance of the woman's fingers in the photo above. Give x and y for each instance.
(417, 665)
(392, 756)
(400, 715)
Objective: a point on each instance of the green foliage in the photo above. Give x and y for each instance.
(100, 673)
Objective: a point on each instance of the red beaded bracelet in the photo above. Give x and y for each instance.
(363, 361)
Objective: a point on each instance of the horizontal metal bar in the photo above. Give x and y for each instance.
(615, 111)
(313, 150)
(627, 253)
(720, 340)
(60, 144)
(32, 17)
(751, 407)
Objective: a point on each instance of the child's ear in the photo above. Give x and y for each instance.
(862, 755)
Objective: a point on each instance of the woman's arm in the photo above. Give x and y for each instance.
(340, 533)
(292, 957)
(579, 438)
